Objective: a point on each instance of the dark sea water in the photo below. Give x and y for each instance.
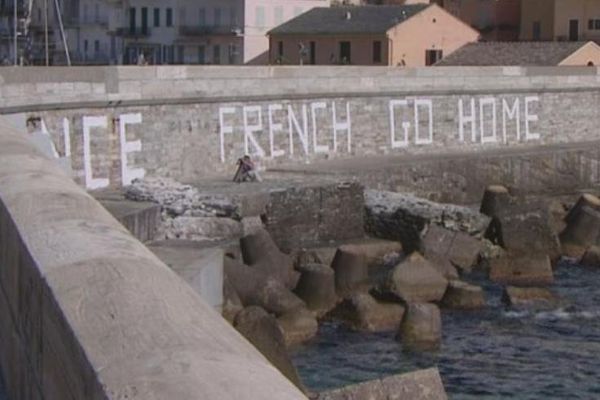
(497, 353)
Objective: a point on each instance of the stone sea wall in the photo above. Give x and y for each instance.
(114, 124)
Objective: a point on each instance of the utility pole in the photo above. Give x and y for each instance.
(46, 32)
(62, 31)
(15, 23)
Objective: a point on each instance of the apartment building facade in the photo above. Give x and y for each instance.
(572, 20)
(158, 31)
(497, 20)
(413, 35)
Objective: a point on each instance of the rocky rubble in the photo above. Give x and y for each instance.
(403, 217)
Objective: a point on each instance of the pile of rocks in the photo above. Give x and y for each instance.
(188, 214)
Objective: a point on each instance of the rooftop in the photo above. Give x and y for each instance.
(348, 20)
(511, 53)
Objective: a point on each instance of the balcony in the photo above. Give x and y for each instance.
(221, 30)
(133, 32)
(7, 9)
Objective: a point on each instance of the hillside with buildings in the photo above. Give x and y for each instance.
(233, 32)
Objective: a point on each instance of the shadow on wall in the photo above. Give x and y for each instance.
(261, 59)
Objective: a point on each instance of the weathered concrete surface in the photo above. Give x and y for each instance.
(406, 218)
(142, 219)
(113, 321)
(200, 265)
(419, 385)
(461, 176)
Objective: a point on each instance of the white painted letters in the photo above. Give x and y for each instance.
(273, 127)
(510, 113)
(405, 125)
(223, 129)
(317, 148)
(249, 130)
(89, 123)
(423, 103)
(302, 131)
(341, 126)
(488, 101)
(129, 174)
(463, 119)
(530, 118)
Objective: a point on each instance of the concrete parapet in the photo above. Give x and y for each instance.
(89, 313)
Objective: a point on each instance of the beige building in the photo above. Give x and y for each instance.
(553, 54)
(572, 20)
(410, 35)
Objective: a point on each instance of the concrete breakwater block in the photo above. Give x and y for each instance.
(416, 280)
(421, 328)
(442, 246)
(533, 270)
(315, 211)
(591, 257)
(521, 226)
(403, 217)
(142, 219)
(255, 287)
(377, 252)
(535, 298)
(261, 253)
(202, 229)
(418, 385)
(362, 312)
(262, 330)
(317, 287)
(583, 226)
(200, 266)
(351, 271)
(298, 326)
(463, 296)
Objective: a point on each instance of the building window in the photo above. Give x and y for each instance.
(156, 17)
(591, 24)
(313, 53)
(597, 24)
(233, 16)
(232, 53)
(216, 54)
(574, 30)
(278, 15)
(217, 19)
(169, 21)
(85, 46)
(280, 49)
(345, 53)
(132, 20)
(201, 54)
(144, 20)
(377, 52)
(537, 31)
(96, 46)
(260, 17)
(433, 56)
(180, 54)
(202, 17)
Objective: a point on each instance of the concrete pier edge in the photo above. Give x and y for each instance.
(88, 312)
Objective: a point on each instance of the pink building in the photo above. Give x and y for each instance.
(413, 35)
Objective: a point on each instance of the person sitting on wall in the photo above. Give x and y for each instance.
(246, 171)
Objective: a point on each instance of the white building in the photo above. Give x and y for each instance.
(165, 32)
